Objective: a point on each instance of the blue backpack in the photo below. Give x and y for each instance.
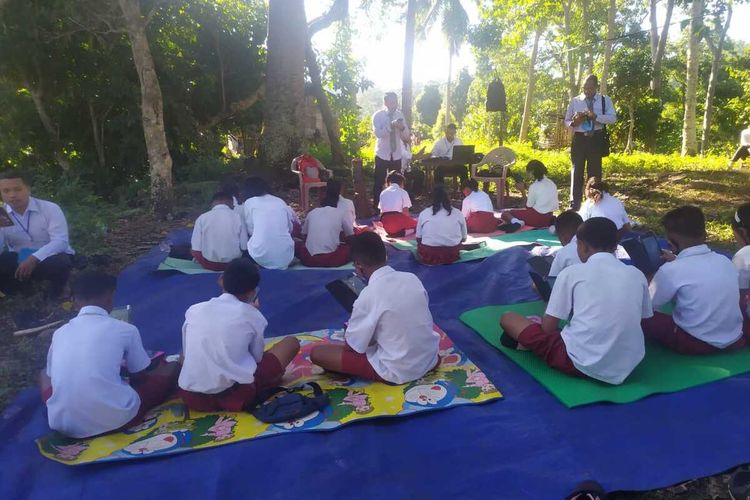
(291, 405)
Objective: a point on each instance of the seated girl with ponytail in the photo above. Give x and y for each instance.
(541, 202)
(322, 229)
(599, 203)
(394, 207)
(441, 229)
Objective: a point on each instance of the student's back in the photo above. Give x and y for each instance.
(476, 201)
(609, 207)
(323, 227)
(741, 261)
(346, 207)
(269, 225)
(441, 229)
(88, 395)
(394, 199)
(219, 234)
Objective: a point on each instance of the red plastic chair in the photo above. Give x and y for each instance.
(308, 169)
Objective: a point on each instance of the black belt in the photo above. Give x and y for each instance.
(598, 131)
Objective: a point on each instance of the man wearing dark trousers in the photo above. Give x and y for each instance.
(390, 129)
(587, 115)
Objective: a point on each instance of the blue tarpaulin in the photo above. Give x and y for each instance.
(526, 446)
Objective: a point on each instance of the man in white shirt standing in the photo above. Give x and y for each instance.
(744, 150)
(443, 148)
(37, 242)
(587, 116)
(390, 129)
(219, 235)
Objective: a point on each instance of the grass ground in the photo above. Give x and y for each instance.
(649, 186)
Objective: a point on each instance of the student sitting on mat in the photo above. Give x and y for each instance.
(741, 260)
(440, 230)
(541, 202)
(390, 335)
(322, 230)
(566, 226)
(477, 209)
(343, 205)
(703, 286)
(269, 222)
(599, 203)
(82, 385)
(224, 366)
(219, 235)
(603, 300)
(394, 206)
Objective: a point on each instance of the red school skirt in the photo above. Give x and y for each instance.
(482, 222)
(533, 218)
(337, 258)
(396, 222)
(434, 256)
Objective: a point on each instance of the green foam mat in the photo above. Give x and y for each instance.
(191, 267)
(661, 371)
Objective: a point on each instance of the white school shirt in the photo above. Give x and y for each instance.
(269, 223)
(543, 196)
(609, 207)
(42, 228)
(477, 201)
(565, 257)
(579, 104)
(605, 301)
(443, 148)
(391, 323)
(381, 127)
(745, 137)
(741, 261)
(346, 207)
(703, 286)
(441, 229)
(222, 342)
(219, 234)
(88, 395)
(323, 227)
(394, 199)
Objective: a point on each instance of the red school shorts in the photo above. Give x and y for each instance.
(357, 364)
(533, 218)
(550, 347)
(207, 264)
(240, 396)
(396, 222)
(337, 258)
(482, 222)
(434, 256)
(662, 329)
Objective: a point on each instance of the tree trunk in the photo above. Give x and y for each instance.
(611, 27)
(285, 82)
(48, 124)
(526, 118)
(631, 128)
(329, 119)
(406, 86)
(572, 84)
(587, 54)
(716, 52)
(97, 132)
(448, 88)
(152, 108)
(220, 60)
(658, 45)
(689, 140)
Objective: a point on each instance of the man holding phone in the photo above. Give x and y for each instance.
(390, 129)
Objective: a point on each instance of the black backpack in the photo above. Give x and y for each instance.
(291, 405)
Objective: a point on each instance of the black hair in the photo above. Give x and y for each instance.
(14, 174)
(687, 221)
(569, 220)
(390, 94)
(231, 187)
(395, 177)
(470, 184)
(91, 285)
(240, 276)
(741, 218)
(451, 126)
(593, 78)
(255, 186)
(221, 196)
(595, 189)
(536, 169)
(440, 200)
(331, 197)
(367, 249)
(600, 233)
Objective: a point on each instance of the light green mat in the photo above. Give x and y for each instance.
(660, 371)
(191, 267)
(494, 245)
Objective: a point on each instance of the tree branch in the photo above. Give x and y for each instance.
(338, 11)
(236, 107)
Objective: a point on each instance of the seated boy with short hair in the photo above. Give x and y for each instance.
(219, 235)
(703, 285)
(477, 208)
(87, 396)
(224, 366)
(394, 207)
(390, 336)
(604, 301)
(566, 225)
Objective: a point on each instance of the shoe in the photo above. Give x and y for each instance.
(508, 341)
(509, 228)
(739, 484)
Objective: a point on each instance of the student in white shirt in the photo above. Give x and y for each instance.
(603, 300)
(741, 260)
(322, 229)
(394, 207)
(703, 286)
(599, 203)
(219, 235)
(269, 222)
(225, 366)
(443, 148)
(541, 203)
(390, 334)
(566, 226)
(441, 229)
(477, 208)
(343, 205)
(82, 386)
(37, 242)
(744, 150)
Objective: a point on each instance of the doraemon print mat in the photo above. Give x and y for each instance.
(171, 428)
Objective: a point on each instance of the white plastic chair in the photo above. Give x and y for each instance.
(499, 157)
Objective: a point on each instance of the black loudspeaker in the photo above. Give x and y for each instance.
(496, 97)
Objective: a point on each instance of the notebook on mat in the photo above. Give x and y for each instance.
(346, 290)
(644, 252)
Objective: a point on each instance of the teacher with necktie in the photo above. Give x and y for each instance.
(588, 115)
(390, 129)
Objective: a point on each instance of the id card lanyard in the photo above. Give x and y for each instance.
(28, 223)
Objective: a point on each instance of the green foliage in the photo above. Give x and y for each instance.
(428, 104)
(460, 95)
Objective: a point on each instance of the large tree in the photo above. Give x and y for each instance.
(715, 39)
(689, 140)
(658, 42)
